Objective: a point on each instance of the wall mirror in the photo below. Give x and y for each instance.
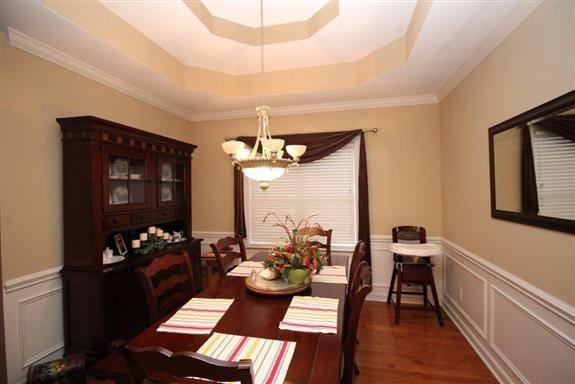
(532, 165)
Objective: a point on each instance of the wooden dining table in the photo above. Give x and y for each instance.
(317, 357)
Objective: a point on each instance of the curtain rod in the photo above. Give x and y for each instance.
(370, 130)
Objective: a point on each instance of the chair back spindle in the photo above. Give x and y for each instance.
(226, 256)
(314, 233)
(168, 283)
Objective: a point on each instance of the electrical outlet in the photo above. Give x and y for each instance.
(460, 293)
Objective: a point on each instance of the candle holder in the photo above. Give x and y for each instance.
(154, 243)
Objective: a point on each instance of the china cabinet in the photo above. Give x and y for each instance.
(118, 181)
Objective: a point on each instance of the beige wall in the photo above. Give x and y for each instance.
(403, 164)
(34, 93)
(507, 159)
(534, 64)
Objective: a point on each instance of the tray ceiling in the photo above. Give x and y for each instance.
(198, 57)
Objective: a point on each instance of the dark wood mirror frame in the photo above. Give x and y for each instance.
(549, 108)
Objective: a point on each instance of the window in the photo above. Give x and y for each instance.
(554, 158)
(326, 188)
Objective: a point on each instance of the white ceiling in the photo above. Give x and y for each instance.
(454, 37)
(360, 28)
(247, 12)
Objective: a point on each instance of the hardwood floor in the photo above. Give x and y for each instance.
(415, 351)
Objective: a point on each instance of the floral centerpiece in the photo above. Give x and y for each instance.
(294, 257)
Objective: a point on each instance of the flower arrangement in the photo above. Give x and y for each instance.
(294, 256)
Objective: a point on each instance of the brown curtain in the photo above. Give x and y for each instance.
(563, 126)
(319, 145)
(239, 216)
(363, 201)
(529, 199)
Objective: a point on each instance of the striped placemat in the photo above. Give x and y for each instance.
(311, 314)
(334, 274)
(197, 316)
(245, 268)
(270, 358)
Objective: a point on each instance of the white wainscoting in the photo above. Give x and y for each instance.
(523, 334)
(381, 258)
(33, 316)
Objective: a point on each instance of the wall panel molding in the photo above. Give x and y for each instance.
(529, 333)
(553, 320)
(34, 321)
(549, 301)
(481, 330)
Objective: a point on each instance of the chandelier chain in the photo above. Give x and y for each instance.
(262, 71)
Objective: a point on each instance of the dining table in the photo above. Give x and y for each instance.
(317, 356)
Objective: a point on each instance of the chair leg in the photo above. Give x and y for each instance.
(436, 300)
(425, 300)
(398, 298)
(356, 368)
(390, 291)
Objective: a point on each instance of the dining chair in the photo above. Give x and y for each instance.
(158, 365)
(315, 232)
(356, 258)
(168, 283)
(412, 270)
(226, 256)
(360, 285)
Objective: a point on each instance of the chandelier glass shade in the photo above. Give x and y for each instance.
(269, 164)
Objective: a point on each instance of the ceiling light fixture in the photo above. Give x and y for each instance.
(270, 163)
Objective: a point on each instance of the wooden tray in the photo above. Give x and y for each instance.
(277, 287)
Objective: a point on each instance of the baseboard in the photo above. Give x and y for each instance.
(475, 342)
(498, 306)
(523, 335)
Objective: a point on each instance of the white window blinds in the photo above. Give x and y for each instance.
(554, 158)
(326, 188)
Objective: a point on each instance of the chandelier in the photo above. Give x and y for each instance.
(270, 163)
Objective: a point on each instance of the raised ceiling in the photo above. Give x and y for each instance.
(200, 59)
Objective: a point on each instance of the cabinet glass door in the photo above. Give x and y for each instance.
(127, 180)
(172, 181)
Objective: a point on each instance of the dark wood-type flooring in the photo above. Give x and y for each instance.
(415, 351)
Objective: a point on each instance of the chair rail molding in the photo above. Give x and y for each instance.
(29, 341)
(511, 306)
(511, 309)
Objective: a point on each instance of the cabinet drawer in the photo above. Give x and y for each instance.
(142, 217)
(116, 221)
(164, 214)
(180, 211)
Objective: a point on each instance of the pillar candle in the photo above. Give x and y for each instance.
(159, 232)
(152, 230)
(143, 236)
(166, 236)
(135, 244)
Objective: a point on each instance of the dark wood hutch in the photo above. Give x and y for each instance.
(117, 180)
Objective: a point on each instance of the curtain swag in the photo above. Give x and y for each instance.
(562, 125)
(319, 145)
(529, 199)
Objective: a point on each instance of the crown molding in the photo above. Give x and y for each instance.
(324, 107)
(496, 37)
(35, 47)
